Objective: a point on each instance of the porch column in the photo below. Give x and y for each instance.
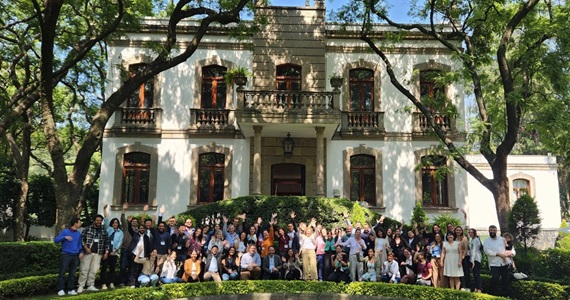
(257, 160)
(320, 164)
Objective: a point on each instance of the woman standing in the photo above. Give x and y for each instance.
(194, 243)
(381, 246)
(475, 257)
(329, 251)
(436, 249)
(115, 242)
(308, 253)
(465, 261)
(451, 256)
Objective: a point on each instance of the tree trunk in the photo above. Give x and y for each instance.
(19, 214)
(500, 190)
(67, 203)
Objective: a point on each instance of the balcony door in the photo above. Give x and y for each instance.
(288, 180)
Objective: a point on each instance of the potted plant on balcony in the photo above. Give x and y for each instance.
(238, 76)
(336, 80)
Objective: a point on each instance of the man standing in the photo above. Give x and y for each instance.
(499, 262)
(127, 256)
(272, 265)
(70, 240)
(96, 246)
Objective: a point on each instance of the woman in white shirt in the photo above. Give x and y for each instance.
(170, 269)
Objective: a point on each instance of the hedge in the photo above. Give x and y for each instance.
(27, 286)
(550, 263)
(522, 290)
(328, 211)
(28, 259)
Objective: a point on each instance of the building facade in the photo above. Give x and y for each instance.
(318, 117)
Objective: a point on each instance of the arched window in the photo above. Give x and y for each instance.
(361, 90)
(363, 178)
(521, 187)
(213, 87)
(143, 96)
(211, 177)
(136, 174)
(432, 92)
(434, 180)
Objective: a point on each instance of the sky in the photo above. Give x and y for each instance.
(398, 8)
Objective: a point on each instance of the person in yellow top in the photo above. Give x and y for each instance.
(268, 237)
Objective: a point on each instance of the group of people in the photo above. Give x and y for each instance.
(151, 252)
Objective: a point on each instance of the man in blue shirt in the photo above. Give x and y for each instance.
(71, 246)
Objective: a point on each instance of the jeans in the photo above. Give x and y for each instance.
(69, 262)
(171, 280)
(320, 265)
(233, 276)
(145, 280)
(386, 278)
(126, 258)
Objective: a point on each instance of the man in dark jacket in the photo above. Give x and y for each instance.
(213, 265)
(271, 265)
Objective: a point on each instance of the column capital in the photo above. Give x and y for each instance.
(257, 129)
(320, 130)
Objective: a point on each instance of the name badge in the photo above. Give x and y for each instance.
(179, 247)
(285, 246)
(95, 240)
(162, 243)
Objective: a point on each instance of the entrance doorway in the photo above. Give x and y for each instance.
(288, 180)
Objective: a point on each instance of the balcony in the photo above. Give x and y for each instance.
(135, 119)
(421, 124)
(362, 123)
(212, 120)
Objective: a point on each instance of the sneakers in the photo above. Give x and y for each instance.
(80, 290)
(92, 288)
(72, 293)
(61, 293)
(104, 287)
(111, 286)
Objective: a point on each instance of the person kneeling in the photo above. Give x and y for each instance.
(272, 265)
(150, 269)
(213, 266)
(391, 272)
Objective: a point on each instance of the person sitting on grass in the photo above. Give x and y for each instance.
(170, 269)
(391, 271)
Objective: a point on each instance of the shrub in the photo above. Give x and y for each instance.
(419, 216)
(328, 211)
(563, 241)
(27, 286)
(524, 220)
(443, 219)
(27, 259)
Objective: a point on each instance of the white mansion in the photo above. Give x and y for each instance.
(188, 138)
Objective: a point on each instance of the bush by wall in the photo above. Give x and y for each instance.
(328, 211)
(551, 263)
(28, 259)
(27, 286)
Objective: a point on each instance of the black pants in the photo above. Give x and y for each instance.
(126, 258)
(500, 287)
(466, 279)
(108, 267)
(293, 275)
(338, 276)
(69, 263)
(477, 283)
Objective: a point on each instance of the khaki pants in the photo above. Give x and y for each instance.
(213, 276)
(88, 268)
(253, 274)
(309, 264)
(437, 272)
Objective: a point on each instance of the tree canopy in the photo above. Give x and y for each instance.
(512, 55)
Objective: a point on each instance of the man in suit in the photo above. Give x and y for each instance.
(271, 265)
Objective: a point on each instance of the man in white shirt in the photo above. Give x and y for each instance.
(499, 262)
(250, 264)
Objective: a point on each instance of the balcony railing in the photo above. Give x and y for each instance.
(363, 121)
(282, 101)
(211, 118)
(140, 117)
(421, 124)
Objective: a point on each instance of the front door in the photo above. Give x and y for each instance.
(288, 180)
